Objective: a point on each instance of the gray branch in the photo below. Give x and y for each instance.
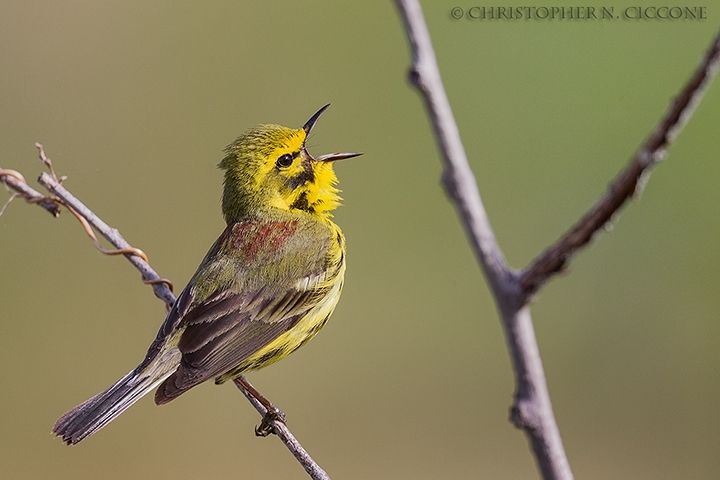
(532, 409)
(15, 181)
(458, 177)
(112, 235)
(281, 430)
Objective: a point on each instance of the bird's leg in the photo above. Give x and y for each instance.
(272, 413)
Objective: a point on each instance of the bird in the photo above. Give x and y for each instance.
(267, 285)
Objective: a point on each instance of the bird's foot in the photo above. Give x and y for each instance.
(272, 415)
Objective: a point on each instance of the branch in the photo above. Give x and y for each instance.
(14, 180)
(532, 409)
(161, 287)
(280, 429)
(112, 235)
(630, 182)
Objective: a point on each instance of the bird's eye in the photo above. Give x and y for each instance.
(284, 161)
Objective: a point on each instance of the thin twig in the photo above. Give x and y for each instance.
(458, 178)
(532, 409)
(281, 430)
(14, 180)
(161, 289)
(46, 161)
(630, 181)
(164, 293)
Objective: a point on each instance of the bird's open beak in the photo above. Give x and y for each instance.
(331, 157)
(311, 123)
(328, 157)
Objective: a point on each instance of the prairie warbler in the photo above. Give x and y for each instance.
(268, 284)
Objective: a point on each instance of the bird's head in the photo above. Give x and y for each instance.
(269, 167)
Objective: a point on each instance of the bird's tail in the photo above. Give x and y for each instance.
(93, 414)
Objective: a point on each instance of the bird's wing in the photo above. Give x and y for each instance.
(264, 280)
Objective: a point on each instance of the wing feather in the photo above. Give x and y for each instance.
(229, 325)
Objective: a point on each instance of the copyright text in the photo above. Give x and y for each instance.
(665, 13)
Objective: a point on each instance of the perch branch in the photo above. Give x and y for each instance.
(112, 235)
(281, 430)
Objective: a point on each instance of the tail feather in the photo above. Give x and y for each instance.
(93, 414)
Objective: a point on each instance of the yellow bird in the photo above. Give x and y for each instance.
(267, 286)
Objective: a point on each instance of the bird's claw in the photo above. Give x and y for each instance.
(266, 427)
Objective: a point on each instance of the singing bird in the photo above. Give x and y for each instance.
(267, 286)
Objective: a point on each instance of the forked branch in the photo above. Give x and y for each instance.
(532, 409)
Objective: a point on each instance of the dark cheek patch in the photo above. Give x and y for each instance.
(301, 203)
(307, 175)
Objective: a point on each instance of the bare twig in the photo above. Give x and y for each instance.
(14, 180)
(164, 292)
(458, 178)
(630, 181)
(281, 430)
(46, 161)
(161, 289)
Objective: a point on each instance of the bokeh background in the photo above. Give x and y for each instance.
(134, 101)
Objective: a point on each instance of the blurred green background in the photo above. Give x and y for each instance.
(411, 379)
